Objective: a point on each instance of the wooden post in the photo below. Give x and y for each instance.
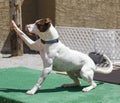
(15, 14)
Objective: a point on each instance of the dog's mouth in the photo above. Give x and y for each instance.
(28, 31)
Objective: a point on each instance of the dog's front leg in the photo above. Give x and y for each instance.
(34, 45)
(45, 73)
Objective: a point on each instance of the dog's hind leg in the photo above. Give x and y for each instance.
(74, 77)
(87, 75)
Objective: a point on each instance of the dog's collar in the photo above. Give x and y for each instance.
(50, 41)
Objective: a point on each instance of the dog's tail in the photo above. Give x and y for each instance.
(105, 70)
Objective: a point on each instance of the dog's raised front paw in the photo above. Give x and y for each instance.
(13, 25)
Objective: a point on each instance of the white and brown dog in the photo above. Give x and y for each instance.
(62, 58)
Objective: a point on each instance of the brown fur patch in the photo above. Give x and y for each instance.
(43, 24)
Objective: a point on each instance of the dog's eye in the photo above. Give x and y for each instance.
(36, 24)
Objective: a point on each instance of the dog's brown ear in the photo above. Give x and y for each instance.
(48, 20)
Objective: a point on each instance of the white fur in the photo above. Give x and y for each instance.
(61, 57)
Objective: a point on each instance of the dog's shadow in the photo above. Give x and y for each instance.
(57, 89)
(61, 89)
(8, 90)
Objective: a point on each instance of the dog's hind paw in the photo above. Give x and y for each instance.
(86, 89)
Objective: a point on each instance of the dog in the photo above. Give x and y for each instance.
(56, 56)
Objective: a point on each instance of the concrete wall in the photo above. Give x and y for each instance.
(4, 26)
(88, 13)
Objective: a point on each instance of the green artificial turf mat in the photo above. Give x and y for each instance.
(14, 82)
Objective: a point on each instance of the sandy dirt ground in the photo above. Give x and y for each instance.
(32, 61)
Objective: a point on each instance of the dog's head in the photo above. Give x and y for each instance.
(41, 25)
